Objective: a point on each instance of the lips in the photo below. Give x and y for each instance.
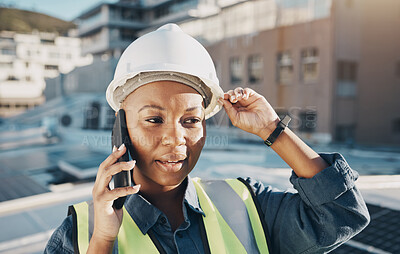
(168, 166)
(171, 162)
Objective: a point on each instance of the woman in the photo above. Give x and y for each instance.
(165, 82)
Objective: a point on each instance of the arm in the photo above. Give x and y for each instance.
(299, 156)
(61, 239)
(251, 112)
(107, 219)
(327, 210)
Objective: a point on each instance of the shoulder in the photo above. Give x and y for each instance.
(258, 187)
(61, 239)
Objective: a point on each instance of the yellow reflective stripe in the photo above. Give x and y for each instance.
(131, 239)
(258, 230)
(82, 221)
(220, 236)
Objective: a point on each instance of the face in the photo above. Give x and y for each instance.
(166, 125)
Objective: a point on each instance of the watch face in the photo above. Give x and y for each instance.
(286, 120)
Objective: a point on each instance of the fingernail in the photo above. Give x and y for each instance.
(114, 148)
(132, 162)
(121, 147)
(137, 186)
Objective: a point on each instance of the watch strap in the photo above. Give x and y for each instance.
(278, 130)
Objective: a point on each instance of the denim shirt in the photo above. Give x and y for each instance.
(326, 211)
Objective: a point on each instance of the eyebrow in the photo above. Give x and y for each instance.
(151, 106)
(194, 108)
(161, 108)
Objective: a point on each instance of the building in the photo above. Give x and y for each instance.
(26, 60)
(309, 58)
(333, 66)
(108, 28)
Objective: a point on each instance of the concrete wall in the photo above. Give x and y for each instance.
(296, 96)
(367, 32)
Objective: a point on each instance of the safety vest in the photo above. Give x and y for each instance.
(233, 222)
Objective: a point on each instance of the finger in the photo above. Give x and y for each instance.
(239, 92)
(230, 110)
(246, 92)
(104, 180)
(113, 157)
(240, 95)
(121, 192)
(231, 96)
(118, 167)
(228, 94)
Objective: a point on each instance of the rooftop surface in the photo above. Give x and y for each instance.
(38, 183)
(30, 221)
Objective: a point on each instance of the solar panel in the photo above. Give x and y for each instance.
(18, 186)
(382, 235)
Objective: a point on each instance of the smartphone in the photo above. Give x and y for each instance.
(120, 136)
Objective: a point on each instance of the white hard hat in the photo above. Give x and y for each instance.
(166, 54)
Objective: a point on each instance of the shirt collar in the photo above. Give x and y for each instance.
(191, 197)
(146, 215)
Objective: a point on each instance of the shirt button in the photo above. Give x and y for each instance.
(179, 234)
(163, 220)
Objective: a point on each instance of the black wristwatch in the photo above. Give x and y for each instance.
(281, 126)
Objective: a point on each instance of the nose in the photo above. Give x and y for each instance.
(173, 135)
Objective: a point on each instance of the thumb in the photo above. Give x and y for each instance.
(230, 110)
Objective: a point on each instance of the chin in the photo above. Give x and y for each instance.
(170, 180)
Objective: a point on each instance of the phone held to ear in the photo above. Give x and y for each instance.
(120, 136)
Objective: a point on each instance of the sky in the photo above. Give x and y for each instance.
(63, 9)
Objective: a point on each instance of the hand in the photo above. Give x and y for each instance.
(250, 111)
(107, 220)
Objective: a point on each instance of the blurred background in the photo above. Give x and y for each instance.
(332, 65)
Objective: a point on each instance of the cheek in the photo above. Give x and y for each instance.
(144, 141)
(197, 141)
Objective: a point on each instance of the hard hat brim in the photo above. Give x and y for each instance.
(212, 108)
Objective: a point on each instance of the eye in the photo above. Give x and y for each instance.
(155, 120)
(191, 121)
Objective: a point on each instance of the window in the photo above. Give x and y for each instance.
(8, 51)
(110, 118)
(127, 34)
(92, 116)
(396, 126)
(346, 79)
(11, 77)
(130, 14)
(6, 64)
(46, 41)
(309, 65)
(51, 67)
(236, 70)
(284, 68)
(255, 65)
(161, 11)
(345, 133)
